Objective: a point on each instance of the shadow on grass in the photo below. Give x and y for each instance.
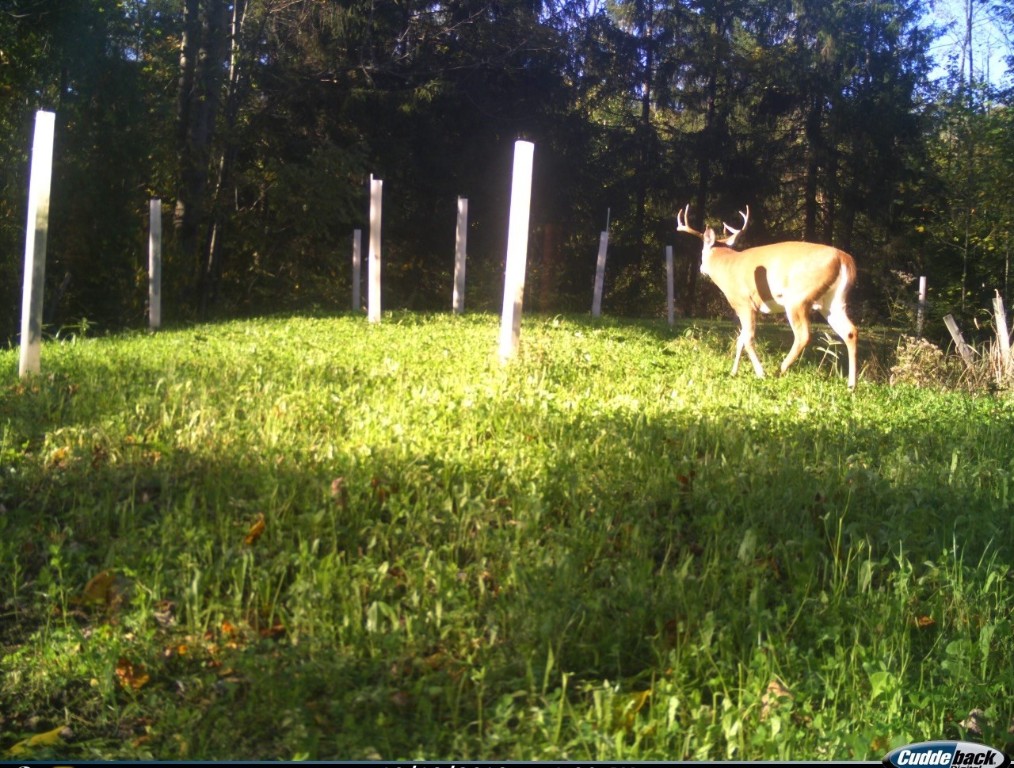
(405, 605)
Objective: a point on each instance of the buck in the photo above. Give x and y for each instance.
(794, 276)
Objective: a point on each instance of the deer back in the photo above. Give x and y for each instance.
(781, 274)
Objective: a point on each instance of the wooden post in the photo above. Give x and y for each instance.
(920, 318)
(959, 341)
(373, 268)
(517, 250)
(357, 269)
(1002, 334)
(600, 274)
(669, 291)
(155, 264)
(460, 253)
(36, 236)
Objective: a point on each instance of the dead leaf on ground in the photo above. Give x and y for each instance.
(686, 481)
(131, 676)
(401, 699)
(273, 632)
(165, 613)
(255, 530)
(975, 723)
(51, 738)
(626, 708)
(772, 697)
(99, 588)
(59, 458)
(340, 492)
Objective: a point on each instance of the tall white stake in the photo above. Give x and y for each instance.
(669, 292)
(517, 250)
(460, 253)
(35, 243)
(1002, 334)
(600, 274)
(155, 264)
(373, 268)
(357, 276)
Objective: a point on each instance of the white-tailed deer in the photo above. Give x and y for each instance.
(794, 276)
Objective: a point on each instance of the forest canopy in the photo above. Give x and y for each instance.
(258, 122)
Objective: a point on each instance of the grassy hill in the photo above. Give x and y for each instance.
(312, 537)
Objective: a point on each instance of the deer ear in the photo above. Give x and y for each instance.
(709, 237)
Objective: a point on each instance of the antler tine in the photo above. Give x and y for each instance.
(734, 233)
(681, 223)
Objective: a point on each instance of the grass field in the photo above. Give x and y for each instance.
(316, 538)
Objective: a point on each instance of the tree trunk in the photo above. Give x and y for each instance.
(811, 182)
(830, 189)
(202, 52)
(969, 154)
(185, 219)
(213, 250)
(646, 13)
(704, 174)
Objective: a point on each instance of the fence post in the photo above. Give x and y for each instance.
(460, 253)
(357, 270)
(35, 243)
(600, 273)
(920, 318)
(517, 250)
(373, 267)
(1002, 334)
(959, 341)
(155, 264)
(670, 302)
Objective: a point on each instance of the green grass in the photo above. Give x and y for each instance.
(312, 537)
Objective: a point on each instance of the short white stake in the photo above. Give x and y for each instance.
(921, 310)
(155, 264)
(460, 254)
(600, 274)
(373, 267)
(35, 243)
(357, 269)
(517, 250)
(669, 293)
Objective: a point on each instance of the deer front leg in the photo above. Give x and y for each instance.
(739, 353)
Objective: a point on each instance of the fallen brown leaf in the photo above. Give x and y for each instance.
(100, 587)
(256, 530)
(772, 697)
(131, 676)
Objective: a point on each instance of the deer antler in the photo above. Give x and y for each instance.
(734, 233)
(681, 223)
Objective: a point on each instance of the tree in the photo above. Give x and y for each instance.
(204, 51)
(90, 62)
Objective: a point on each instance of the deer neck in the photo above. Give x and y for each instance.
(714, 256)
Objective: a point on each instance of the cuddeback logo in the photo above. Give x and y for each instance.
(947, 754)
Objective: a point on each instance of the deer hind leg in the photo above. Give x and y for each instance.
(841, 324)
(747, 321)
(799, 319)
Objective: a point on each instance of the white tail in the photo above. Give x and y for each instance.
(794, 276)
